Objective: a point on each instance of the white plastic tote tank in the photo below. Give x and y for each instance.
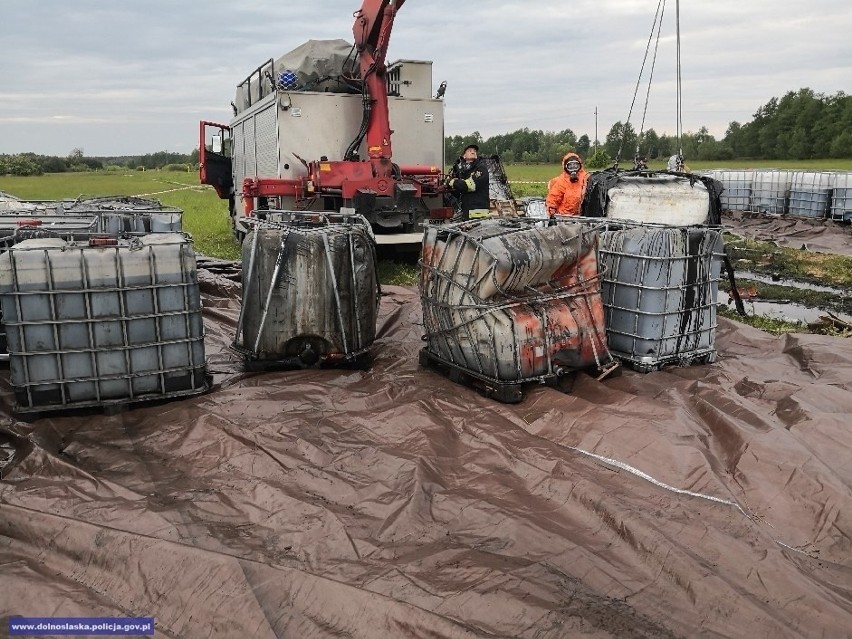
(737, 189)
(103, 322)
(769, 191)
(660, 198)
(810, 194)
(841, 198)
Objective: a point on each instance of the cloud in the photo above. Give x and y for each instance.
(126, 78)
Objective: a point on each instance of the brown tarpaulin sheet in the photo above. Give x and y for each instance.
(820, 236)
(711, 501)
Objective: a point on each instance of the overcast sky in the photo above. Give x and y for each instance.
(120, 77)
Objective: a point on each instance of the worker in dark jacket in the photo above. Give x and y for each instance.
(468, 181)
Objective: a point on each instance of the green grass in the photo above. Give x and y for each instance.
(769, 259)
(205, 216)
(398, 273)
(766, 324)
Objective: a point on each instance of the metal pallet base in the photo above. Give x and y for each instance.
(360, 360)
(649, 365)
(507, 392)
(31, 413)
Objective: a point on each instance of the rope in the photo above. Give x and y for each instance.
(680, 491)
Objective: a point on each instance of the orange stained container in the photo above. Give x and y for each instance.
(552, 320)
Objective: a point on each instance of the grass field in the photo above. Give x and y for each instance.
(205, 215)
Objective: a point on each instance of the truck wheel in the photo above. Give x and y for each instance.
(239, 234)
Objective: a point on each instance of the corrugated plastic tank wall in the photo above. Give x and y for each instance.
(659, 290)
(810, 194)
(310, 293)
(95, 325)
(737, 193)
(841, 198)
(769, 191)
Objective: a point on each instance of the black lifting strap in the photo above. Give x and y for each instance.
(738, 302)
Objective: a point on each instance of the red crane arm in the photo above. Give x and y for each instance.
(372, 30)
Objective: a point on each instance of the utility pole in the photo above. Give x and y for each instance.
(596, 129)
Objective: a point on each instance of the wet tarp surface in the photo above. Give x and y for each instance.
(820, 236)
(711, 501)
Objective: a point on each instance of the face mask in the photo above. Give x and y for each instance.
(572, 168)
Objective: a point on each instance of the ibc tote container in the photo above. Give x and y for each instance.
(105, 322)
(841, 198)
(660, 198)
(506, 302)
(737, 185)
(310, 290)
(769, 191)
(810, 194)
(129, 214)
(659, 292)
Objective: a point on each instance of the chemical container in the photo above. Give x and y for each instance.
(736, 195)
(841, 198)
(103, 322)
(659, 292)
(129, 214)
(16, 227)
(810, 194)
(506, 302)
(769, 191)
(659, 197)
(534, 208)
(310, 290)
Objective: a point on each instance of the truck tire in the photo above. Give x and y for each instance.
(239, 234)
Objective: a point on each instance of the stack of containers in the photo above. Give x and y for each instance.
(82, 219)
(769, 191)
(507, 302)
(310, 291)
(102, 322)
(129, 214)
(810, 194)
(841, 198)
(660, 265)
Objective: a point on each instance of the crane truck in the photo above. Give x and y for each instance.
(342, 125)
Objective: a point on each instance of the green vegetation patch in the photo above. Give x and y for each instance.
(769, 259)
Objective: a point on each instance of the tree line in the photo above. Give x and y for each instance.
(34, 164)
(802, 125)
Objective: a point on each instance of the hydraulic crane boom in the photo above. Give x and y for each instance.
(372, 30)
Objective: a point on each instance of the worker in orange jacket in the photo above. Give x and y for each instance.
(565, 191)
